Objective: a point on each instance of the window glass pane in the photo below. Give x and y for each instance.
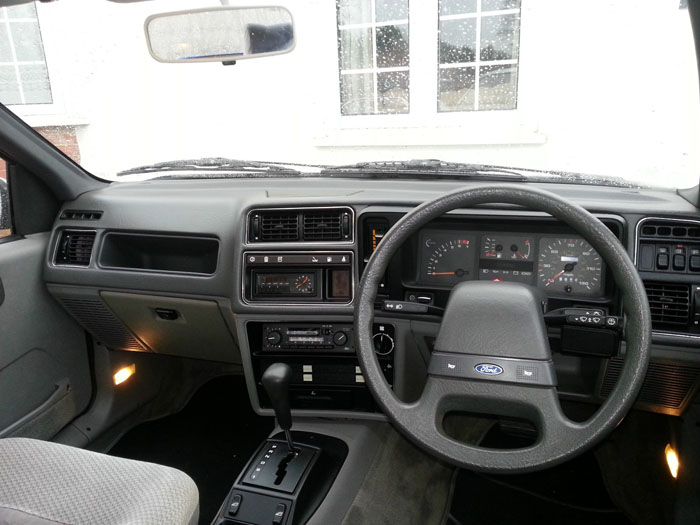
(354, 12)
(5, 50)
(494, 5)
(356, 48)
(456, 89)
(357, 94)
(22, 11)
(5, 216)
(500, 37)
(35, 83)
(392, 92)
(9, 87)
(391, 10)
(392, 46)
(27, 39)
(498, 87)
(457, 7)
(457, 41)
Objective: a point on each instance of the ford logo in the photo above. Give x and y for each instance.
(488, 369)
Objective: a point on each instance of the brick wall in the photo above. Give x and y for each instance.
(63, 137)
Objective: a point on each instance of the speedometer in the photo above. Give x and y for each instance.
(569, 267)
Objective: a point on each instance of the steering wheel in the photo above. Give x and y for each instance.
(498, 328)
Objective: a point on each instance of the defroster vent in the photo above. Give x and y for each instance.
(670, 305)
(75, 247)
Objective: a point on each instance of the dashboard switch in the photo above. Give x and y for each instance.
(662, 261)
(695, 263)
(340, 338)
(679, 262)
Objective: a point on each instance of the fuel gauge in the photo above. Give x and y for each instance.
(506, 248)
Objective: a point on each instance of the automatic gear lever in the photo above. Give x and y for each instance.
(276, 381)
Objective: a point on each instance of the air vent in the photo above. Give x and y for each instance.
(667, 387)
(81, 215)
(275, 226)
(670, 305)
(670, 230)
(301, 225)
(323, 225)
(75, 248)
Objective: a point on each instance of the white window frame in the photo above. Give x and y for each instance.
(424, 125)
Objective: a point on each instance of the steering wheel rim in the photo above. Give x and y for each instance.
(559, 438)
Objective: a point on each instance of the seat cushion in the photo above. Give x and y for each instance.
(47, 483)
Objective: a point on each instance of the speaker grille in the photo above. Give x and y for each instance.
(667, 387)
(102, 323)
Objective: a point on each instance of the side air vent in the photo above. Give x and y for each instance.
(667, 387)
(670, 305)
(301, 225)
(101, 322)
(81, 215)
(75, 248)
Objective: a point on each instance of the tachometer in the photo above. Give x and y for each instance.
(447, 259)
(570, 267)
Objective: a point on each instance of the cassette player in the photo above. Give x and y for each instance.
(307, 337)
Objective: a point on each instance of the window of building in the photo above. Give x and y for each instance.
(478, 46)
(24, 78)
(476, 65)
(373, 54)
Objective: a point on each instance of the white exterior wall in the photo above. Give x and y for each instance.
(624, 103)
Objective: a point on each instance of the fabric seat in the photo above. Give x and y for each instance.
(47, 483)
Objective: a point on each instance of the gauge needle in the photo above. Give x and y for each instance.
(550, 281)
(302, 283)
(520, 255)
(442, 273)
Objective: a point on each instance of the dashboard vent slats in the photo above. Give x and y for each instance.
(279, 227)
(669, 303)
(667, 387)
(75, 248)
(81, 215)
(323, 226)
(301, 225)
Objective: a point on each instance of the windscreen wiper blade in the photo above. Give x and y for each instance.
(207, 165)
(426, 168)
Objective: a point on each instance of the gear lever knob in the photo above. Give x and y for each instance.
(276, 381)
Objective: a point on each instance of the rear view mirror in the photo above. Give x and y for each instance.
(220, 34)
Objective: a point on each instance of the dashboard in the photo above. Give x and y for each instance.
(250, 272)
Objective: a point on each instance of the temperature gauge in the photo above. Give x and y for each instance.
(506, 248)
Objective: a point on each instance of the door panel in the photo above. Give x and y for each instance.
(44, 368)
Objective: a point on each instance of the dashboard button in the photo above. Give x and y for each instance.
(662, 261)
(695, 263)
(679, 262)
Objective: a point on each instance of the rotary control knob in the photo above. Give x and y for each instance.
(273, 338)
(383, 343)
(340, 338)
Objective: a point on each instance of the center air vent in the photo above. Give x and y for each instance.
(75, 248)
(670, 305)
(301, 225)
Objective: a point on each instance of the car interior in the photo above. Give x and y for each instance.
(344, 346)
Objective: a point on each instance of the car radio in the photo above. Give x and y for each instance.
(308, 337)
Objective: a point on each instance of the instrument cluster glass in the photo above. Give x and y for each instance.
(560, 265)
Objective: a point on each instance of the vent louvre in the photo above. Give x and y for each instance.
(670, 230)
(332, 224)
(102, 323)
(666, 386)
(81, 215)
(278, 227)
(669, 303)
(323, 225)
(75, 248)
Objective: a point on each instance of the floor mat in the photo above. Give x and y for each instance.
(211, 439)
(572, 493)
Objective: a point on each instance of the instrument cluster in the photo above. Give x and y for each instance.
(561, 265)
